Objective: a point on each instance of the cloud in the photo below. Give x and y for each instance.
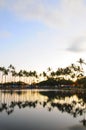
(78, 45)
(5, 34)
(38, 10)
(66, 16)
(61, 14)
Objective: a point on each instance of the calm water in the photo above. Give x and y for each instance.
(42, 110)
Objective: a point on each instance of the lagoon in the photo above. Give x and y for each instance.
(42, 110)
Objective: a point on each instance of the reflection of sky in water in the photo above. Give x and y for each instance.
(38, 117)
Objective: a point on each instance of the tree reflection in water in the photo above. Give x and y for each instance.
(65, 101)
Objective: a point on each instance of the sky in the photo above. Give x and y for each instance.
(37, 34)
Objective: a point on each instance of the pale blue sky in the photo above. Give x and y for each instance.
(37, 34)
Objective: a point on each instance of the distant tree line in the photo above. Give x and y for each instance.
(73, 74)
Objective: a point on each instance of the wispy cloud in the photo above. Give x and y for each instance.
(38, 10)
(68, 16)
(64, 13)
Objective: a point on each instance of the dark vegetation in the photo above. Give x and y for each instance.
(72, 76)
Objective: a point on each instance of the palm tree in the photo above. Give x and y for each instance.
(67, 72)
(59, 73)
(49, 71)
(11, 67)
(74, 71)
(81, 61)
(25, 75)
(30, 77)
(14, 75)
(44, 75)
(20, 74)
(2, 71)
(11, 70)
(34, 75)
(5, 73)
(53, 74)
